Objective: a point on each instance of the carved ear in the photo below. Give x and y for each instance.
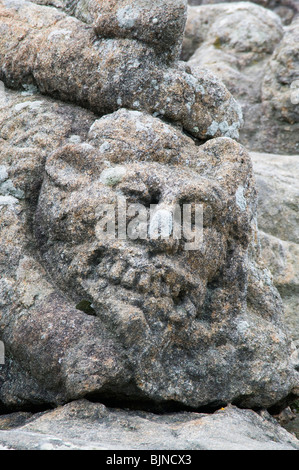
(73, 165)
(228, 162)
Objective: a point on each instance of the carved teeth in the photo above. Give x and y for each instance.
(116, 271)
(155, 282)
(144, 282)
(129, 278)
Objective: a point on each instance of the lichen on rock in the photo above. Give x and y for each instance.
(247, 47)
(126, 127)
(35, 50)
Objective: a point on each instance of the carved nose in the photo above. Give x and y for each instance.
(161, 223)
(163, 230)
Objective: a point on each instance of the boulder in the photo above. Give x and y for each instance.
(159, 24)
(246, 46)
(82, 425)
(103, 295)
(242, 33)
(280, 96)
(59, 54)
(139, 319)
(286, 9)
(277, 183)
(276, 179)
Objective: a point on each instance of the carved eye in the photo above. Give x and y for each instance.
(139, 192)
(71, 166)
(146, 198)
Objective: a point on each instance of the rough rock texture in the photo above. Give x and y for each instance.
(62, 56)
(160, 23)
(165, 325)
(140, 320)
(31, 127)
(278, 219)
(286, 9)
(246, 46)
(280, 96)
(82, 425)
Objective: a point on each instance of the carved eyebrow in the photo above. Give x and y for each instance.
(77, 161)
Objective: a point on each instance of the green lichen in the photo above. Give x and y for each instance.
(217, 43)
(85, 306)
(295, 406)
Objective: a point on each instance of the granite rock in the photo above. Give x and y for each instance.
(162, 322)
(63, 57)
(286, 9)
(280, 96)
(246, 46)
(278, 201)
(159, 24)
(157, 321)
(82, 425)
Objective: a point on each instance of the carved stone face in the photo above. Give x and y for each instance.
(163, 304)
(159, 279)
(140, 271)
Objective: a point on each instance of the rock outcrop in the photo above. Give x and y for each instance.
(83, 425)
(63, 57)
(158, 321)
(159, 24)
(286, 9)
(246, 46)
(280, 96)
(164, 322)
(278, 201)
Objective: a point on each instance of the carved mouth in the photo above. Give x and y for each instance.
(136, 277)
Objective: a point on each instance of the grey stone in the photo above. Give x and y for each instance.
(158, 23)
(286, 9)
(82, 425)
(133, 320)
(277, 183)
(162, 325)
(246, 46)
(44, 47)
(279, 132)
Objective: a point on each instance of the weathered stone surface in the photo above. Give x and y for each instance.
(160, 23)
(282, 258)
(277, 183)
(236, 41)
(31, 127)
(140, 320)
(165, 324)
(246, 46)
(286, 9)
(82, 425)
(280, 96)
(63, 58)
(241, 29)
